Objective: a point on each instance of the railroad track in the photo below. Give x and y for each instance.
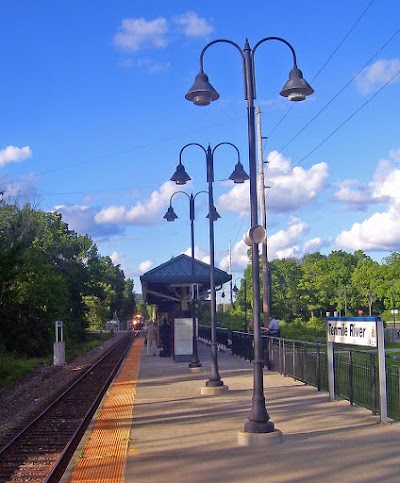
(43, 449)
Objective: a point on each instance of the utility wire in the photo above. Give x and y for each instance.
(341, 90)
(324, 65)
(340, 126)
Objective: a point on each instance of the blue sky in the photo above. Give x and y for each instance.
(94, 117)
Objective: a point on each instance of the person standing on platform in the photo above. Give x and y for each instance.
(165, 336)
(151, 336)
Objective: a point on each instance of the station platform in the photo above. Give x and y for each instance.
(155, 426)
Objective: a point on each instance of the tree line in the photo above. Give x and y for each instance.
(342, 282)
(48, 273)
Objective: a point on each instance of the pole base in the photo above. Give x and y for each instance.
(259, 426)
(195, 369)
(260, 439)
(195, 364)
(214, 390)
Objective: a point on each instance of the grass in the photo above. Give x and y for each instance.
(13, 366)
(93, 339)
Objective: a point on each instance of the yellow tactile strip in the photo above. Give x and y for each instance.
(104, 453)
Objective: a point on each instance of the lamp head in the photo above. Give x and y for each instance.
(214, 215)
(180, 176)
(239, 175)
(170, 215)
(235, 289)
(202, 92)
(296, 88)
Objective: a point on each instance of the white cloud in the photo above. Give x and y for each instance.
(140, 270)
(377, 75)
(153, 66)
(380, 232)
(290, 188)
(12, 154)
(386, 181)
(236, 201)
(286, 243)
(395, 155)
(112, 214)
(282, 244)
(117, 258)
(81, 219)
(384, 187)
(145, 266)
(143, 213)
(135, 34)
(314, 245)
(238, 256)
(354, 194)
(199, 254)
(23, 190)
(193, 25)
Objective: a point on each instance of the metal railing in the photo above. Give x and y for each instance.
(356, 371)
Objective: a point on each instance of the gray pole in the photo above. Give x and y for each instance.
(202, 93)
(215, 378)
(259, 420)
(263, 214)
(195, 355)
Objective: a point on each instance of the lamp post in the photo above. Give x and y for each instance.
(202, 93)
(170, 215)
(214, 384)
(236, 290)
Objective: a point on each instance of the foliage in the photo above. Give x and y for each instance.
(230, 319)
(310, 287)
(14, 366)
(93, 340)
(313, 331)
(51, 273)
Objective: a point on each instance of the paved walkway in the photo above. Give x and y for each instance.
(178, 435)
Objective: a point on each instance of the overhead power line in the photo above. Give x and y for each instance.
(324, 65)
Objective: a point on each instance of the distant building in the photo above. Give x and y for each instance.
(113, 325)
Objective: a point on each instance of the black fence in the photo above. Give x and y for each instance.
(356, 371)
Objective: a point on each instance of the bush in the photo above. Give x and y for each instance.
(312, 331)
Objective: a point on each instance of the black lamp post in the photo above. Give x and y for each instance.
(236, 290)
(201, 94)
(238, 176)
(170, 215)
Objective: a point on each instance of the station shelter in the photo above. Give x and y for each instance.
(171, 286)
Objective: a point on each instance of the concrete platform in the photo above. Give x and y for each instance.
(178, 435)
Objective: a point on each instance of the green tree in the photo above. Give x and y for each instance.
(314, 286)
(368, 281)
(49, 272)
(341, 265)
(286, 274)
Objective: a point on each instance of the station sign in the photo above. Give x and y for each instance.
(353, 330)
(365, 331)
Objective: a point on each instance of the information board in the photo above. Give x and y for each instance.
(183, 339)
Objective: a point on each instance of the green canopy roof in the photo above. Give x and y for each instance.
(161, 282)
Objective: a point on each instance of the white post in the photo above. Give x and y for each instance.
(59, 346)
(331, 372)
(382, 371)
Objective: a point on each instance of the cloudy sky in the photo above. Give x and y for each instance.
(94, 119)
